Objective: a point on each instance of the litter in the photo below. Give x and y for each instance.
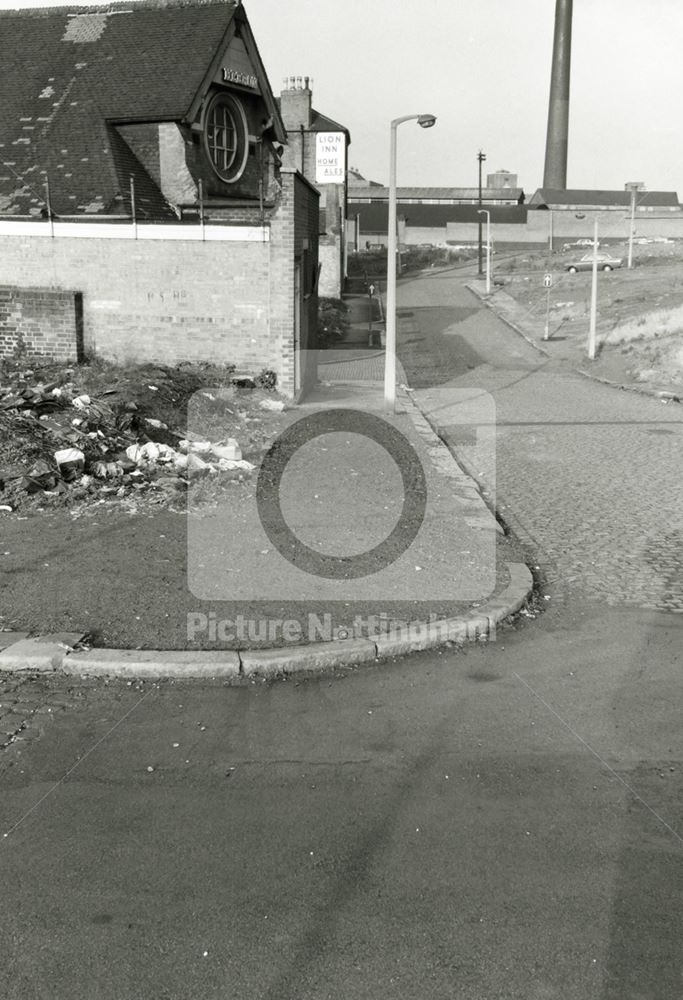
(230, 451)
(61, 441)
(70, 462)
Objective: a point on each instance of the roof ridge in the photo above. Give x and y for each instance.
(114, 7)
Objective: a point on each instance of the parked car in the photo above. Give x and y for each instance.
(577, 243)
(606, 262)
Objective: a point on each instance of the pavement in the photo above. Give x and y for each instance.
(455, 582)
(585, 479)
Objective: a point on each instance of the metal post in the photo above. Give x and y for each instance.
(424, 121)
(201, 207)
(480, 157)
(632, 226)
(484, 211)
(546, 332)
(390, 357)
(132, 207)
(594, 296)
(371, 337)
(49, 205)
(380, 304)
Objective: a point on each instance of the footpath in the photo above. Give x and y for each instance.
(342, 562)
(567, 349)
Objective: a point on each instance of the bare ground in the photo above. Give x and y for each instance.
(639, 312)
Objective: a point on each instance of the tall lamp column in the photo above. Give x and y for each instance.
(480, 157)
(424, 121)
(485, 211)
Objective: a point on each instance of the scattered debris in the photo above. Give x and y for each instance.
(272, 404)
(95, 433)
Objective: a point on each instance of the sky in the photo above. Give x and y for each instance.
(483, 68)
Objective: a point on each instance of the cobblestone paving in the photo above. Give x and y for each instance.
(594, 475)
(597, 476)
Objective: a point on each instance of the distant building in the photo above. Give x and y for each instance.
(425, 213)
(573, 200)
(501, 179)
(376, 194)
(450, 216)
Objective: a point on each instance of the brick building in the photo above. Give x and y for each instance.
(318, 147)
(146, 212)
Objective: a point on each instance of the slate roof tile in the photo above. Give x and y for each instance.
(70, 72)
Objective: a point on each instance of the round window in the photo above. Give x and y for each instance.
(225, 136)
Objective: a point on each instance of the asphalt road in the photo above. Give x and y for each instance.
(499, 823)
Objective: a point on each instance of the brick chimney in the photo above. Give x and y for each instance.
(295, 102)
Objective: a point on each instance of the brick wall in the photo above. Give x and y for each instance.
(294, 242)
(175, 300)
(330, 274)
(40, 322)
(155, 300)
(171, 300)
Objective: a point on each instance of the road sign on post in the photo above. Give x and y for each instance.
(547, 281)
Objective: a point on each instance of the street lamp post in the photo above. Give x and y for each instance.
(631, 229)
(480, 157)
(592, 338)
(485, 211)
(424, 121)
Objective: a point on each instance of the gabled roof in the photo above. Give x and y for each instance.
(356, 180)
(68, 75)
(575, 196)
(321, 123)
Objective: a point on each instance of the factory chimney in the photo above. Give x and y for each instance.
(555, 173)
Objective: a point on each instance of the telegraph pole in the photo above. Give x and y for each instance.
(480, 157)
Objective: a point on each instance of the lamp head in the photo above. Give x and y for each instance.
(426, 121)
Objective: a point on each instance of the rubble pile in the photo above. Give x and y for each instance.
(125, 437)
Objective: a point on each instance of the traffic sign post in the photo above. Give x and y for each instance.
(548, 282)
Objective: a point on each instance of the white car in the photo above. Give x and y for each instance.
(577, 243)
(606, 262)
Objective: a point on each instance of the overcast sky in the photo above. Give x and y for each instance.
(483, 68)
